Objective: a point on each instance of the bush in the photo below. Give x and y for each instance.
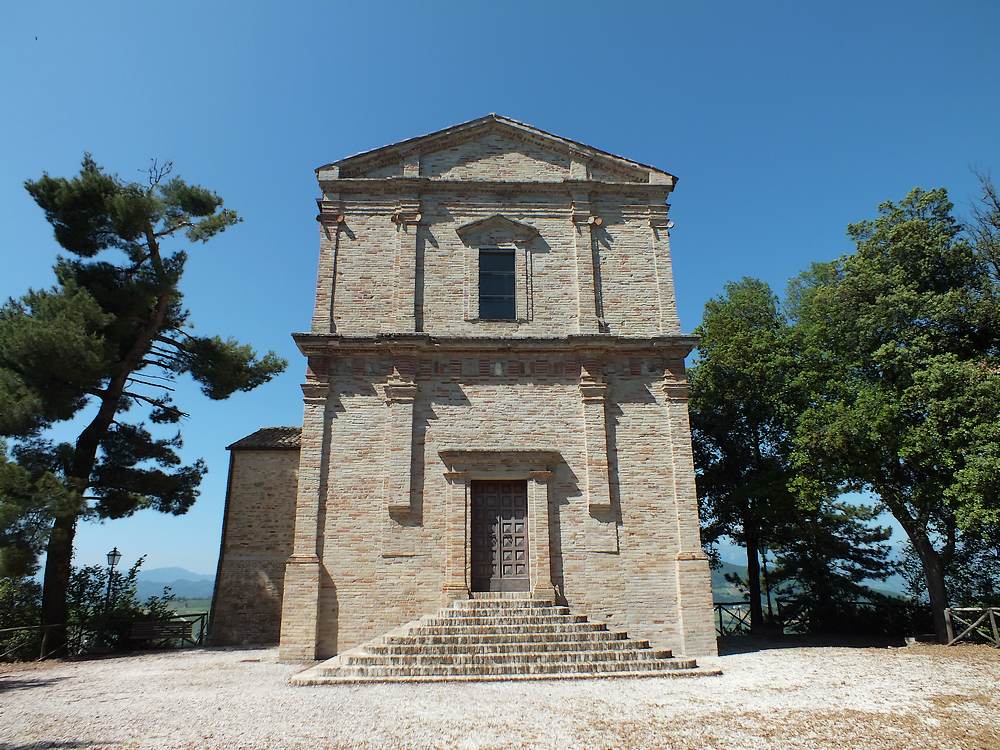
(98, 622)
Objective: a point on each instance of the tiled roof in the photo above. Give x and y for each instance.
(270, 438)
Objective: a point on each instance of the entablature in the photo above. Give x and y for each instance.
(312, 344)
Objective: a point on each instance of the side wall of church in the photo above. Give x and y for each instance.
(256, 542)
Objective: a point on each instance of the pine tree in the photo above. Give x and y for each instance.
(110, 337)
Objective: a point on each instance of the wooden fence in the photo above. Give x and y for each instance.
(973, 624)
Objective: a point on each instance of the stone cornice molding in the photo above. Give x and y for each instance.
(421, 343)
(642, 191)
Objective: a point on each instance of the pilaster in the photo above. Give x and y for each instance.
(590, 312)
(330, 218)
(400, 394)
(539, 556)
(456, 539)
(407, 218)
(693, 575)
(593, 391)
(666, 295)
(300, 600)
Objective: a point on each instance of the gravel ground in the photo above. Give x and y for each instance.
(789, 697)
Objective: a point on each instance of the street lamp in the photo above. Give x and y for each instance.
(113, 557)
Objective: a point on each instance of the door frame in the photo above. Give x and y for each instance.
(463, 466)
(501, 583)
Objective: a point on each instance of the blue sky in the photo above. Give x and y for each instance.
(784, 121)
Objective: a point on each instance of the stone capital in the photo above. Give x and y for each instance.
(315, 392)
(542, 476)
(675, 391)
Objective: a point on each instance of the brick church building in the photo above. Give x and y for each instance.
(495, 420)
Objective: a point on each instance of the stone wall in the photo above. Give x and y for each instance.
(381, 568)
(256, 544)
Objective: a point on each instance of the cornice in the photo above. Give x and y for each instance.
(313, 344)
(428, 184)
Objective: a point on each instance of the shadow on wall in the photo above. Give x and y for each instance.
(328, 615)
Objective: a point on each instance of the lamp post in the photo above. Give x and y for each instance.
(113, 557)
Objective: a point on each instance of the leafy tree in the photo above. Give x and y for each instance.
(107, 621)
(972, 579)
(113, 335)
(742, 412)
(20, 605)
(898, 353)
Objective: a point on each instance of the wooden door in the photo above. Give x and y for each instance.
(499, 535)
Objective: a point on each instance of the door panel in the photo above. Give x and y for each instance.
(499, 535)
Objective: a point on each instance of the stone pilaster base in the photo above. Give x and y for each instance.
(696, 624)
(299, 621)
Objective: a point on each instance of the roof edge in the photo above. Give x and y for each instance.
(582, 148)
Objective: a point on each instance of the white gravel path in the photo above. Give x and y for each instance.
(802, 697)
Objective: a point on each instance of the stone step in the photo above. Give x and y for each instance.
(499, 637)
(493, 604)
(503, 620)
(513, 660)
(483, 670)
(503, 611)
(563, 627)
(592, 636)
(515, 647)
(494, 595)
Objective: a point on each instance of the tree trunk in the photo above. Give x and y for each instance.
(753, 583)
(937, 592)
(59, 555)
(767, 586)
(58, 560)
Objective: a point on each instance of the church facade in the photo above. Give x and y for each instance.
(494, 401)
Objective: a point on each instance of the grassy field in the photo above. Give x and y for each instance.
(187, 606)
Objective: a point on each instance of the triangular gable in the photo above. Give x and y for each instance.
(496, 226)
(389, 160)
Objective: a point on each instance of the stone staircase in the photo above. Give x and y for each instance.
(495, 637)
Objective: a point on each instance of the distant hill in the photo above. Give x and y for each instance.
(723, 590)
(184, 584)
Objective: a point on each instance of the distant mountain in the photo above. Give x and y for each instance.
(184, 584)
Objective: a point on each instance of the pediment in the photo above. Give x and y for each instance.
(493, 148)
(496, 229)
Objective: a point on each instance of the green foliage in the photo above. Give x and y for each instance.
(107, 621)
(824, 559)
(27, 500)
(53, 354)
(899, 347)
(898, 360)
(741, 410)
(972, 578)
(224, 367)
(741, 415)
(97, 622)
(20, 607)
(113, 333)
